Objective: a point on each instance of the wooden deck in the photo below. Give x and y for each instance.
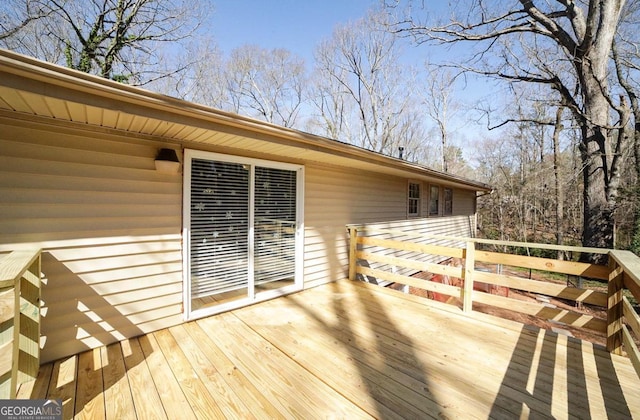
(343, 350)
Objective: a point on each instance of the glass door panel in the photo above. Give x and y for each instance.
(275, 228)
(219, 232)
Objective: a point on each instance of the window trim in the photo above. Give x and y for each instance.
(447, 209)
(437, 200)
(414, 201)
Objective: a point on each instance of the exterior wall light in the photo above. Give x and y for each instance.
(167, 161)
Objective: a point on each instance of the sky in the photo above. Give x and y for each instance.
(295, 25)
(300, 25)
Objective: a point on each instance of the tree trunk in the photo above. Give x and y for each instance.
(635, 241)
(599, 173)
(598, 215)
(557, 129)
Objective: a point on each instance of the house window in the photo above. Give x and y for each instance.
(413, 204)
(434, 200)
(448, 201)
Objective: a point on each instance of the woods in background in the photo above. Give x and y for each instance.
(564, 157)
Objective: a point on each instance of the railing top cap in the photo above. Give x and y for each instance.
(13, 265)
(365, 228)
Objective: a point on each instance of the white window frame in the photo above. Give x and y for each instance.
(444, 201)
(438, 203)
(417, 201)
(189, 154)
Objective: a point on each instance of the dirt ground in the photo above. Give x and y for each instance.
(584, 334)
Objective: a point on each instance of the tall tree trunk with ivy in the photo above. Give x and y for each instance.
(123, 40)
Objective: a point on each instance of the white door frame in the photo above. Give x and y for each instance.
(190, 154)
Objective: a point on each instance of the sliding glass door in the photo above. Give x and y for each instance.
(274, 227)
(242, 221)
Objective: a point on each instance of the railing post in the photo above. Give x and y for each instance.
(29, 358)
(353, 247)
(19, 320)
(469, 267)
(9, 341)
(614, 307)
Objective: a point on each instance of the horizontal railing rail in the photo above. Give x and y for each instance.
(624, 321)
(19, 320)
(393, 256)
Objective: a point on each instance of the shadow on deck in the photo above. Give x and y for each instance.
(344, 350)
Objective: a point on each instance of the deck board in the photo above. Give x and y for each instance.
(235, 379)
(173, 399)
(117, 392)
(146, 399)
(90, 390)
(224, 396)
(62, 385)
(203, 403)
(344, 350)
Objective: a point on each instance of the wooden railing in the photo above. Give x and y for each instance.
(392, 256)
(622, 319)
(19, 320)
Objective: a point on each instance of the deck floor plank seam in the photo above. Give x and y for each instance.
(173, 398)
(542, 392)
(531, 335)
(246, 391)
(146, 398)
(38, 388)
(230, 404)
(202, 402)
(445, 379)
(117, 389)
(278, 372)
(63, 384)
(594, 374)
(90, 403)
(343, 350)
(371, 365)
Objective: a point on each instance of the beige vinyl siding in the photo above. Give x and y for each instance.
(412, 229)
(335, 197)
(464, 202)
(109, 223)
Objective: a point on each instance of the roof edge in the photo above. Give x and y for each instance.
(53, 74)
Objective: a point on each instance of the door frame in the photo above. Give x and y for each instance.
(252, 297)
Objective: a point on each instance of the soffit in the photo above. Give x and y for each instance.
(33, 88)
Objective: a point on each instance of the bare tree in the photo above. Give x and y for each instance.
(16, 15)
(117, 39)
(332, 109)
(564, 45)
(557, 131)
(627, 68)
(265, 83)
(534, 170)
(203, 81)
(441, 106)
(359, 74)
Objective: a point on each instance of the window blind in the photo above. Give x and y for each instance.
(219, 227)
(274, 225)
(414, 199)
